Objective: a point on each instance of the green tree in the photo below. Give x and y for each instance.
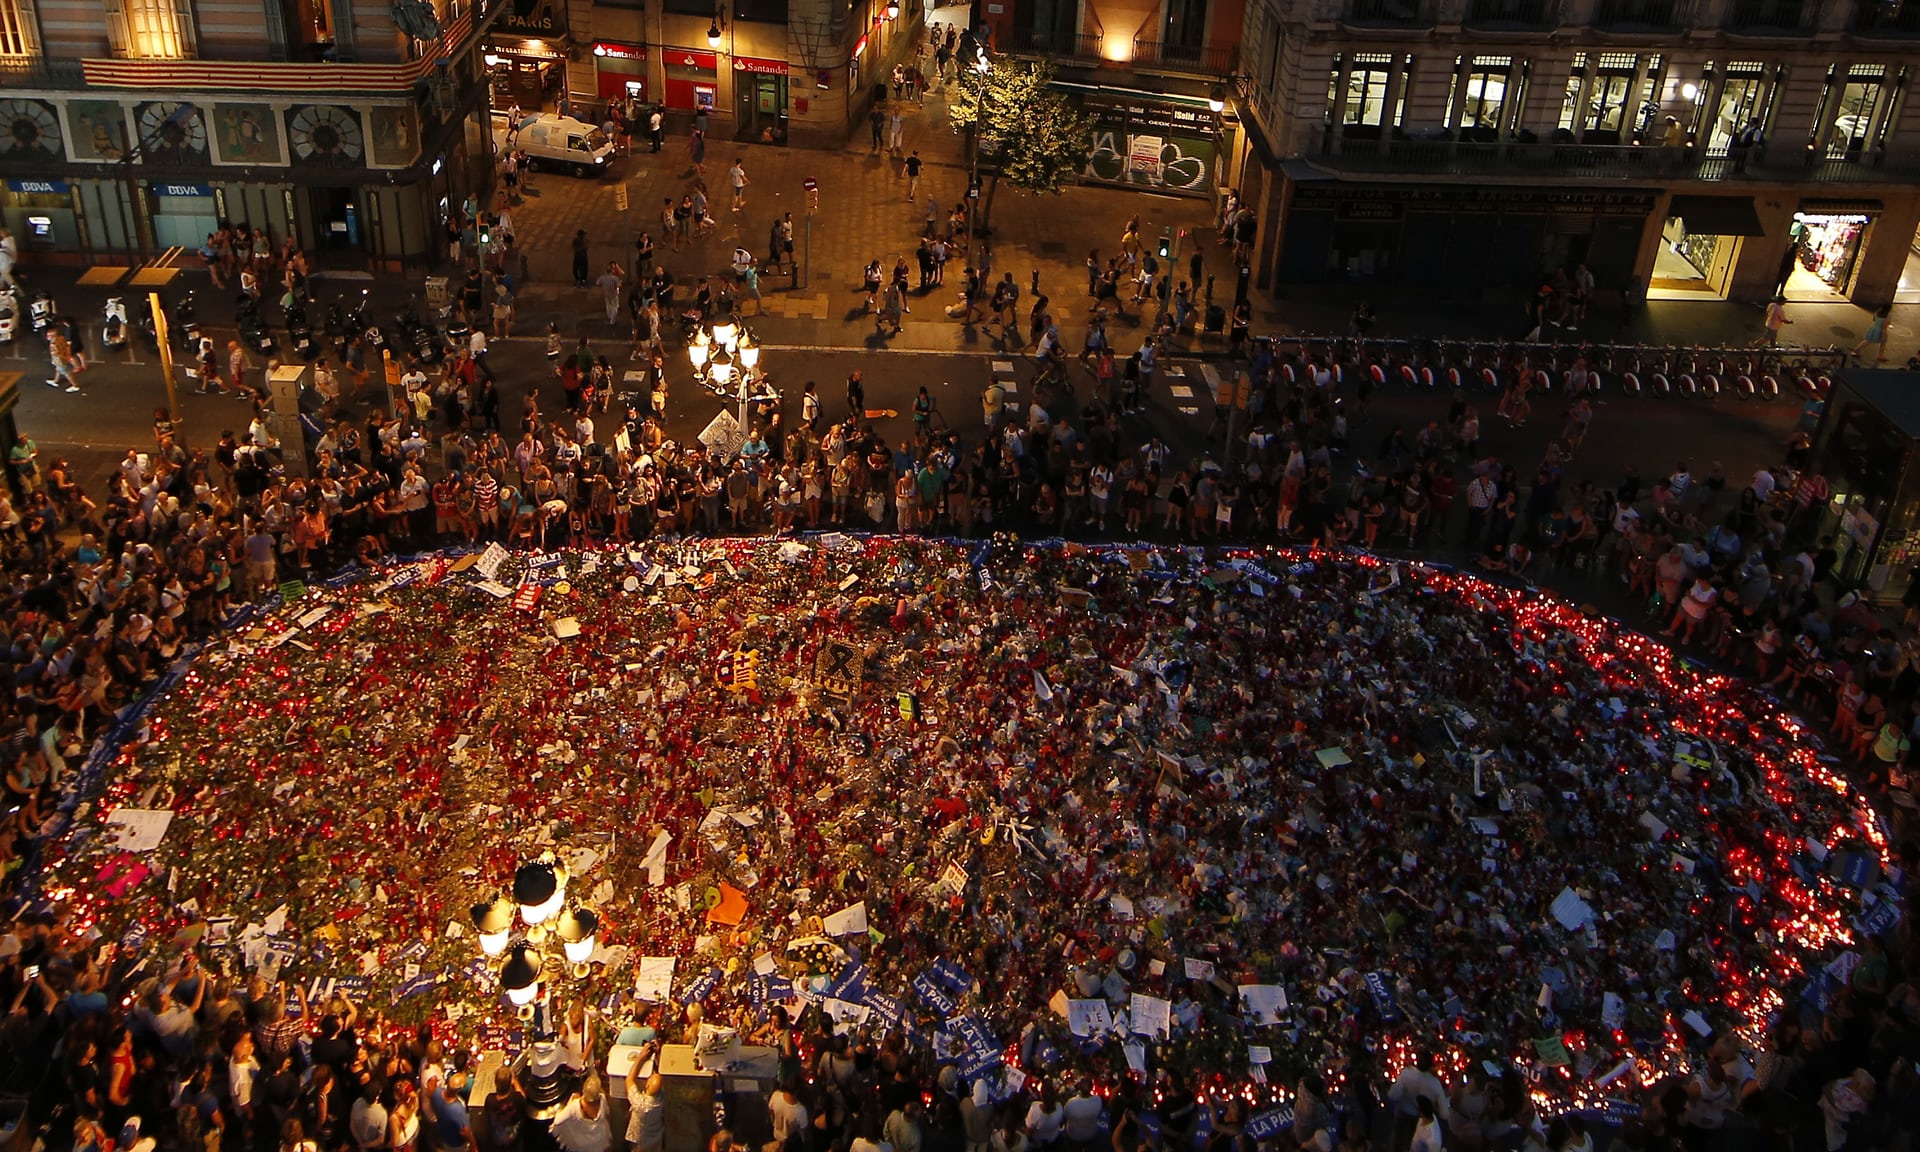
(1024, 132)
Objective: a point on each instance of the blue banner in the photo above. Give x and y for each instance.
(700, 988)
(1382, 993)
(932, 996)
(851, 984)
(951, 976)
(1269, 1124)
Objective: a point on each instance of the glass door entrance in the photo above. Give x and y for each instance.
(761, 111)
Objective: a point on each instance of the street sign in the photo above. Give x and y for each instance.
(810, 184)
(620, 197)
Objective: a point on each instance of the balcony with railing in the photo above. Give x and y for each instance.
(1638, 14)
(1102, 50)
(1499, 14)
(1771, 17)
(28, 72)
(1567, 160)
(1893, 20)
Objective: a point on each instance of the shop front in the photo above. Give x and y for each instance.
(1455, 237)
(1700, 244)
(1141, 140)
(1828, 237)
(692, 79)
(526, 73)
(620, 69)
(40, 215)
(182, 214)
(760, 100)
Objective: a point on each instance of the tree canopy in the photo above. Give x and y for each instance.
(1030, 134)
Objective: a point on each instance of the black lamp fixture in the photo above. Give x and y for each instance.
(893, 9)
(713, 33)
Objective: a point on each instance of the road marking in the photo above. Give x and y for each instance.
(1180, 391)
(1188, 411)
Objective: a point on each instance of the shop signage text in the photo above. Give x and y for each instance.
(534, 18)
(762, 67)
(183, 189)
(53, 187)
(619, 51)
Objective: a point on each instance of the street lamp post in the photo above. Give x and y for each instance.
(726, 362)
(549, 931)
(981, 67)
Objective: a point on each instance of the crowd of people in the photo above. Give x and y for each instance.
(1118, 866)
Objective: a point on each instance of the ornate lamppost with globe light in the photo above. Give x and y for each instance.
(533, 930)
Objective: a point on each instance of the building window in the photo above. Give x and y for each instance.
(1360, 106)
(690, 7)
(1619, 99)
(150, 29)
(1740, 105)
(1853, 101)
(1481, 98)
(16, 29)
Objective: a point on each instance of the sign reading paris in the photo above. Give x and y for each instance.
(542, 18)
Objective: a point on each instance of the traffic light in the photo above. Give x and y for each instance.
(486, 232)
(1166, 243)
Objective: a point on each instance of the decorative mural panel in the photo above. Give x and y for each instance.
(96, 130)
(325, 136)
(247, 134)
(394, 136)
(30, 130)
(171, 133)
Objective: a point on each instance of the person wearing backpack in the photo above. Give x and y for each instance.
(503, 1115)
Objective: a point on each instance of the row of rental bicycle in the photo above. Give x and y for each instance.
(1746, 373)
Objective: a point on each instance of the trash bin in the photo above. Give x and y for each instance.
(436, 292)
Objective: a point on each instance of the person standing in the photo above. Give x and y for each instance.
(877, 119)
(1776, 319)
(580, 258)
(583, 1124)
(1876, 335)
(856, 395)
(656, 128)
(610, 285)
(896, 130)
(61, 357)
(911, 170)
(697, 150)
(737, 180)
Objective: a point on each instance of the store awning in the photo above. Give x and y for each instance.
(1837, 207)
(1718, 215)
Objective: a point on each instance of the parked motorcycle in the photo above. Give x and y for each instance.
(113, 326)
(300, 332)
(254, 333)
(42, 311)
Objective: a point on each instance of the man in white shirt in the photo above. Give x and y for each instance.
(1082, 1121)
(647, 1112)
(1414, 1084)
(788, 1115)
(582, 1125)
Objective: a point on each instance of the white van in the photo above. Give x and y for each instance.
(556, 142)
